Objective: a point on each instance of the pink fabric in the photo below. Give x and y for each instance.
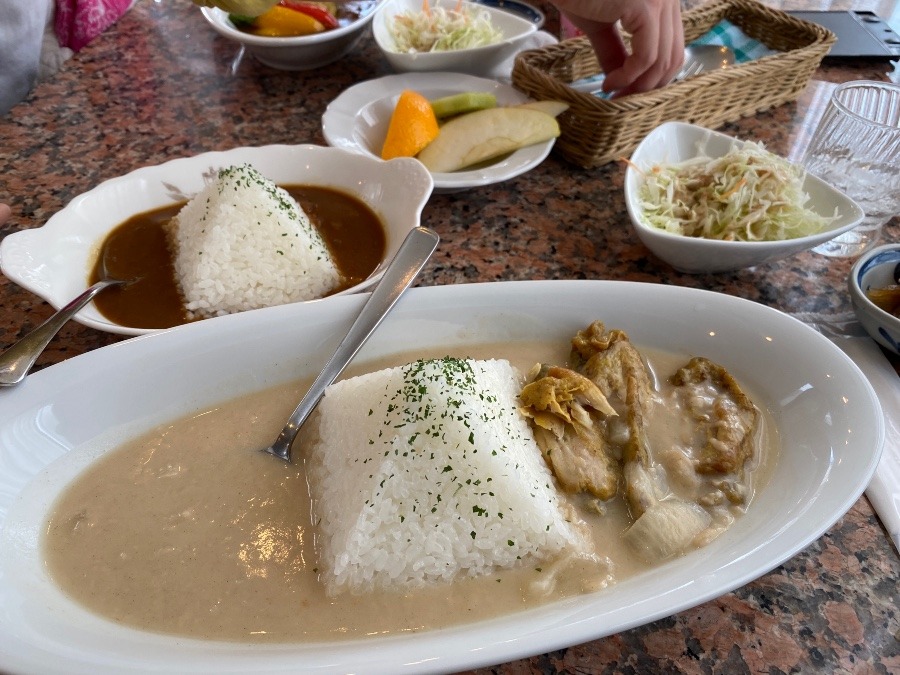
(78, 22)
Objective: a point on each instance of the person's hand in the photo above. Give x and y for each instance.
(5, 213)
(657, 40)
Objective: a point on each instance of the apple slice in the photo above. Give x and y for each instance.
(552, 108)
(485, 134)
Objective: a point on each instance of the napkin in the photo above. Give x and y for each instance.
(727, 34)
(884, 489)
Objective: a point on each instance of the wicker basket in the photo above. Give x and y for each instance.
(596, 131)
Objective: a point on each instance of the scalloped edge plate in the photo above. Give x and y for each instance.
(54, 261)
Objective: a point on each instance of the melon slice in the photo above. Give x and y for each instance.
(486, 134)
(460, 104)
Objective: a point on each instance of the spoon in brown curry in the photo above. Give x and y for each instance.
(17, 360)
(414, 252)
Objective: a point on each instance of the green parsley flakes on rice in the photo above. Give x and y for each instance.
(244, 243)
(428, 472)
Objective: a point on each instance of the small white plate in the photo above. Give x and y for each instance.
(829, 420)
(358, 119)
(54, 261)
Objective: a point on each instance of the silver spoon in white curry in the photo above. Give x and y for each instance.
(414, 252)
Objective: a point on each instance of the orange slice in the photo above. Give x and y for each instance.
(413, 126)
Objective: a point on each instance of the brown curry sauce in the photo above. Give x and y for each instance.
(138, 249)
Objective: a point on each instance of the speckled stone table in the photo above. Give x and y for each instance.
(160, 85)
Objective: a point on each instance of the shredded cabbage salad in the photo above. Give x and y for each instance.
(749, 194)
(436, 29)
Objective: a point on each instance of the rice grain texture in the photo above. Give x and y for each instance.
(244, 243)
(428, 472)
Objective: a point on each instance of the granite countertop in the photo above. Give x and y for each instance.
(160, 84)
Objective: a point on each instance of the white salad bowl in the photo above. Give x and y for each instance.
(877, 268)
(475, 61)
(304, 52)
(675, 142)
(829, 423)
(54, 261)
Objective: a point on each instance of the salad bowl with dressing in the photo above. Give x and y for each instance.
(448, 35)
(674, 143)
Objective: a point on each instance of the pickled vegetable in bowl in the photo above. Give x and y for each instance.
(887, 298)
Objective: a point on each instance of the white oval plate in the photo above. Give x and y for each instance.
(54, 261)
(357, 120)
(828, 417)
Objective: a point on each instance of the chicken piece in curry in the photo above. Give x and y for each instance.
(591, 423)
(569, 413)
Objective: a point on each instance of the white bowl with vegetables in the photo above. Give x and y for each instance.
(703, 201)
(295, 34)
(448, 35)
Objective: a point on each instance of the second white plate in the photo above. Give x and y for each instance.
(358, 119)
(54, 261)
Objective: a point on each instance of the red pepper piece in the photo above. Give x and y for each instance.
(323, 16)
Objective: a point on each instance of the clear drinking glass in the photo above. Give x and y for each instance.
(856, 148)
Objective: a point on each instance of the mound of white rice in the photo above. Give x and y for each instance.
(428, 472)
(244, 243)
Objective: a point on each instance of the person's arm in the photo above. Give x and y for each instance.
(5, 213)
(657, 40)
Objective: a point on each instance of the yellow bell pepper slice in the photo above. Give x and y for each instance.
(284, 22)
